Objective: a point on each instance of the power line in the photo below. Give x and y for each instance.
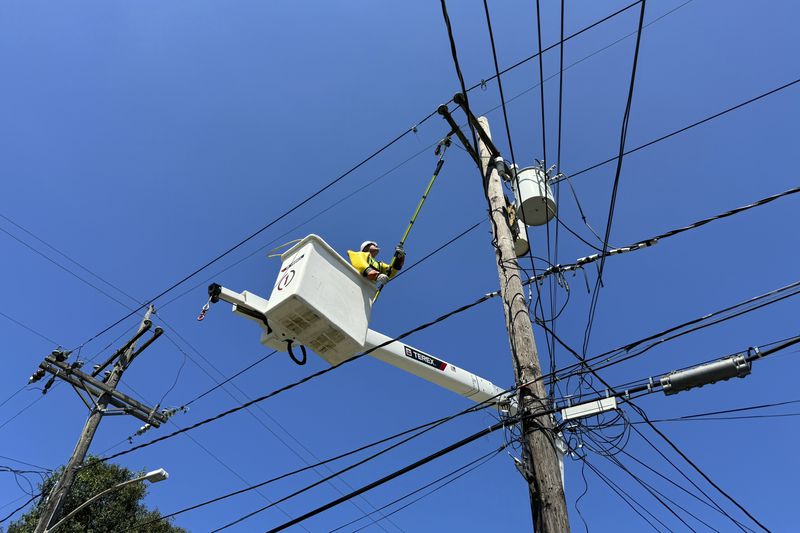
(230, 378)
(37, 333)
(676, 485)
(65, 256)
(185, 355)
(68, 271)
(21, 507)
(301, 381)
(511, 147)
(438, 249)
(685, 128)
(659, 496)
(641, 412)
(257, 406)
(124, 305)
(553, 291)
(393, 475)
(519, 63)
(727, 418)
(337, 179)
(739, 409)
(687, 478)
(13, 395)
(624, 496)
(420, 463)
(541, 79)
(554, 45)
(454, 54)
(325, 371)
(615, 187)
(695, 467)
(42, 468)
(260, 230)
(4, 424)
(216, 458)
(412, 430)
(464, 470)
(309, 467)
(619, 358)
(346, 469)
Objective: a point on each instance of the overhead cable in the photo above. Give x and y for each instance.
(37, 333)
(674, 484)
(342, 176)
(341, 471)
(697, 468)
(419, 328)
(299, 382)
(460, 471)
(554, 45)
(397, 473)
(690, 480)
(629, 401)
(354, 451)
(645, 243)
(21, 507)
(626, 395)
(623, 136)
(659, 496)
(260, 230)
(549, 343)
(681, 130)
(230, 378)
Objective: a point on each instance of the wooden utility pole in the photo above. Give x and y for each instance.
(540, 457)
(105, 393)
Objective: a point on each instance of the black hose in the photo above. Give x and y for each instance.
(300, 362)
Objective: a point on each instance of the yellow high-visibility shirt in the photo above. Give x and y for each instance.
(362, 260)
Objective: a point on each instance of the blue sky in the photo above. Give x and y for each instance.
(142, 139)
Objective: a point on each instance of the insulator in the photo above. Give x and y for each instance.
(39, 374)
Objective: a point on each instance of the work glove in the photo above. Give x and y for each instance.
(382, 279)
(399, 258)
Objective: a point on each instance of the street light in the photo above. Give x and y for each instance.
(153, 477)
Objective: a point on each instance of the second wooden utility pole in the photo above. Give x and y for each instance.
(107, 394)
(540, 457)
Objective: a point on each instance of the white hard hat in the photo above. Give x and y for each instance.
(365, 244)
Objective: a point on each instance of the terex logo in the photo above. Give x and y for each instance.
(424, 358)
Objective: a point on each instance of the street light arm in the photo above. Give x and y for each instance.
(157, 475)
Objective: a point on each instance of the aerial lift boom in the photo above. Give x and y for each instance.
(321, 302)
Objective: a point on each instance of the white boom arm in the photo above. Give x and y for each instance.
(437, 371)
(397, 354)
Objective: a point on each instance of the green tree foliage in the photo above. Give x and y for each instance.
(118, 510)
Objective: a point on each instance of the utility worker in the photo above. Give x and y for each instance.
(369, 267)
